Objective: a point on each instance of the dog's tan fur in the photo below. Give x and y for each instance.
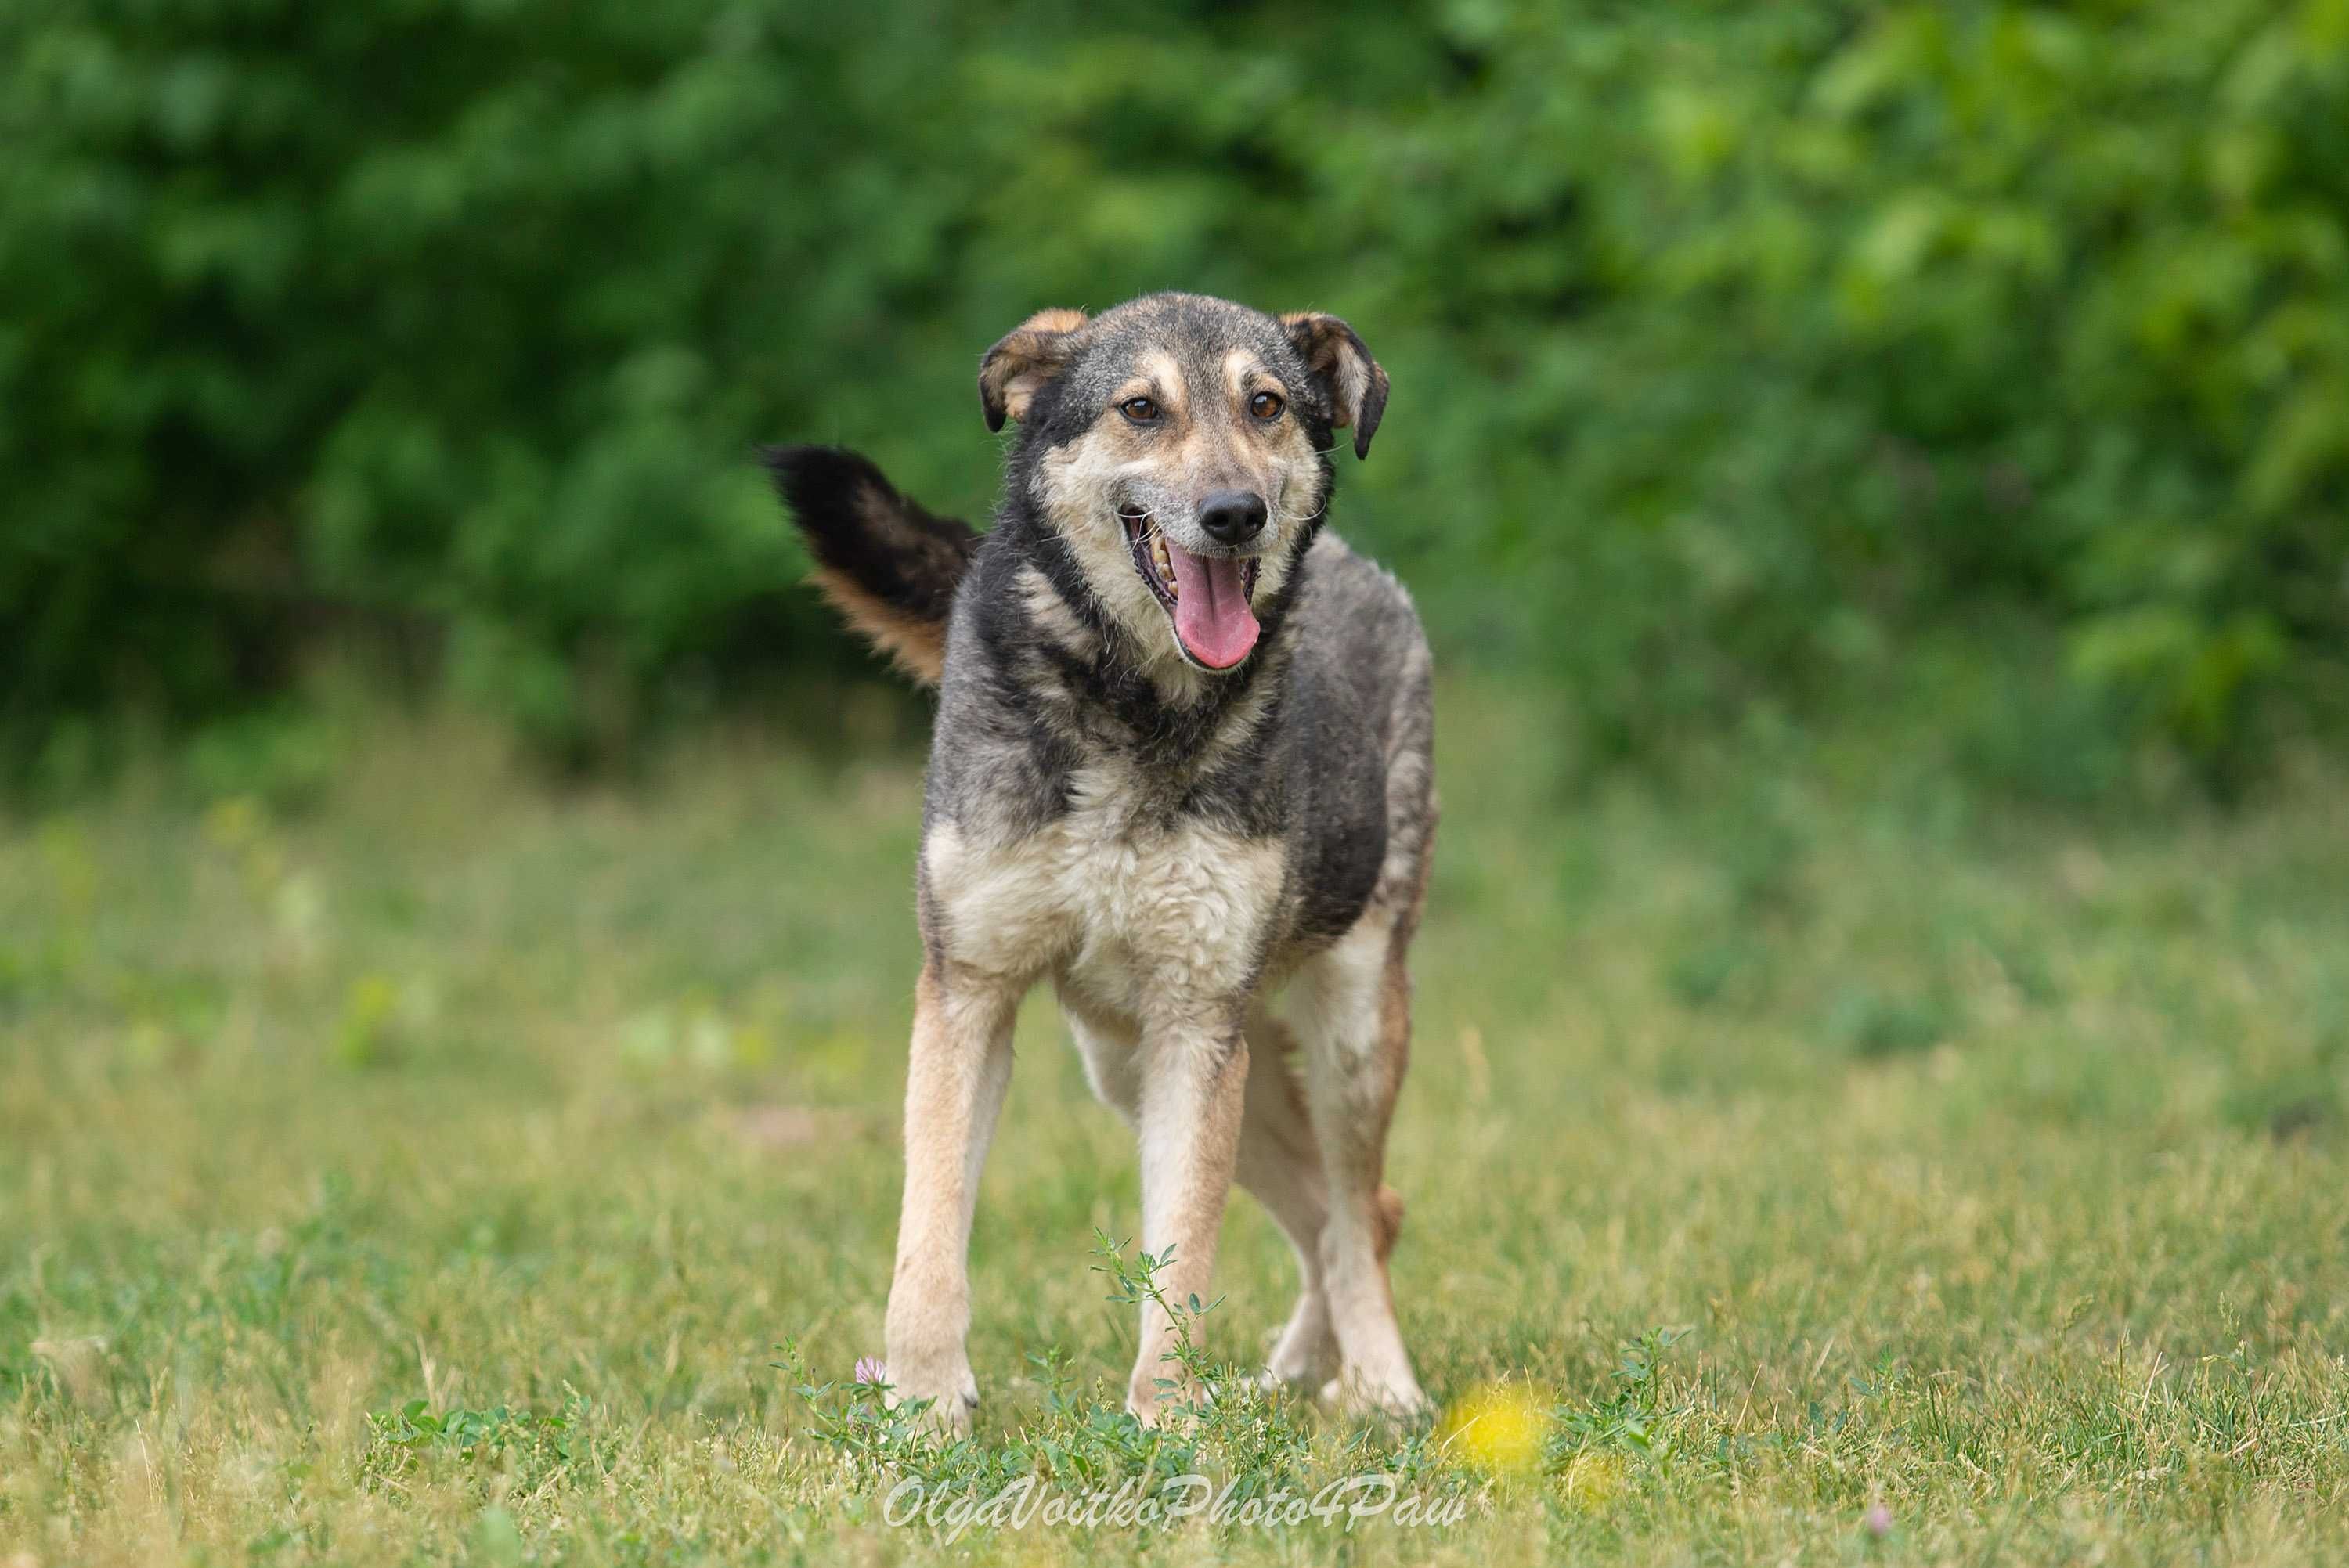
(959, 1067)
(916, 645)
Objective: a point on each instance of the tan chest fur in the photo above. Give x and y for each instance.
(1157, 922)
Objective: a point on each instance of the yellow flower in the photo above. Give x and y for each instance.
(1497, 1428)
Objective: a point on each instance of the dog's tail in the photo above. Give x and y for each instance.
(886, 564)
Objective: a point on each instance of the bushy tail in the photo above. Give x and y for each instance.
(885, 563)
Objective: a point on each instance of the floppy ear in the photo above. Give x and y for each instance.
(1029, 356)
(1350, 377)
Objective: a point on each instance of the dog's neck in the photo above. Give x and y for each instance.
(1120, 683)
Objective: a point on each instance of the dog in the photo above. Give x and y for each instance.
(1181, 764)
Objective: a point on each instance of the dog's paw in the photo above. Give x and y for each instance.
(1356, 1396)
(1298, 1361)
(1270, 1381)
(1153, 1406)
(952, 1393)
(1305, 1352)
(1278, 1376)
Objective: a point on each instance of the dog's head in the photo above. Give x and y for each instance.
(1178, 446)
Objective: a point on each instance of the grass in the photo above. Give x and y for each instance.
(1815, 1165)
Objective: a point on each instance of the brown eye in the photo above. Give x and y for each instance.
(1141, 410)
(1266, 405)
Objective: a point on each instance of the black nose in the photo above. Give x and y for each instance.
(1232, 517)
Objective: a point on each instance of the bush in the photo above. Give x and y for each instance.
(1733, 345)
(1795, 327)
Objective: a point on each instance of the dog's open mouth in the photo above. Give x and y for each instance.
(1207, 596)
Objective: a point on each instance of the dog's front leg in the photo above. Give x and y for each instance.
(961, 1064)
(1193, 1088)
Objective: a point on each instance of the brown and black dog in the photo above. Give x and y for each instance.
(1182, 770)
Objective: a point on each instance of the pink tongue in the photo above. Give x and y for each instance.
(1211, 616)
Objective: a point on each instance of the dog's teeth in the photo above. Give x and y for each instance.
(1165, 566)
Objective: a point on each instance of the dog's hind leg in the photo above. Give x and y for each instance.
(1280, 1163)
(1277, 1161)
(1354, 1016)
(1110, 1049)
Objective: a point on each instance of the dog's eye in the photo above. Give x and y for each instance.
(1266, 405)
(1141, 410)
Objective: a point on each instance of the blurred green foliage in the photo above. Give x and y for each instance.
(1736, 348)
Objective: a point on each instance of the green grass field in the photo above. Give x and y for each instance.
(440, 1171)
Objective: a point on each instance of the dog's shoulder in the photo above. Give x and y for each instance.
(1359, 734)
(1345, 587)
(1005, 744)
(1360, 652)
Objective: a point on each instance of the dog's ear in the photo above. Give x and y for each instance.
(1029, 356)
(1349, 376)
